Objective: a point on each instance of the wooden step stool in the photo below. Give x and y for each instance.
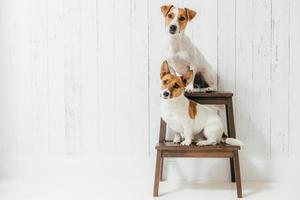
(168, 149)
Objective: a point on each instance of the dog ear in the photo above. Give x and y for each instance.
(165, 9)
(190, 13)
(187, 77)
(164, 69)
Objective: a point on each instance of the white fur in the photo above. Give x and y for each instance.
(175, 112)
(182, 55)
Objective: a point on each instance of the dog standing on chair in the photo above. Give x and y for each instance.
(186, 116)
(181, 53)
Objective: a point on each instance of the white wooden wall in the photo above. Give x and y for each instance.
(80, 77)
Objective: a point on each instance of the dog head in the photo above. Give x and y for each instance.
(176, 19)
(173, 86)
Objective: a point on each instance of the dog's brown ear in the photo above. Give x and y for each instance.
(187, 77)
(164, 69)
(190, 13)
(165, 9)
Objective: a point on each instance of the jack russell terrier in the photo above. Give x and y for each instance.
(188, 117)
(181, 54)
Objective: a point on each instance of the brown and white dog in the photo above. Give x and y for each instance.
(181, 53)
(187, 117)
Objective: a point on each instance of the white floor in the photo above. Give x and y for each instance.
(105, 189)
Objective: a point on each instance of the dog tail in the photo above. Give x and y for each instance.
(232, 141)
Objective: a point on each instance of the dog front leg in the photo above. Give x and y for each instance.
(188, 135)
(210, 78)
(177, 138)
(190, 87)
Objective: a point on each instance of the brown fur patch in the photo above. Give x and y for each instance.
(165, 9)
(187, 77)
(190, 13)
(175, 84)
(192, 109)
(182, 19)
(164, 69)
(169, 17)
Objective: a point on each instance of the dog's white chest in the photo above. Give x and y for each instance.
(174, 114)
(179, 61)
(178, 54)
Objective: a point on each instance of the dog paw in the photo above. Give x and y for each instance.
(211, 89)
(176, 140)
(189, 88)
(201, 143)
(186, 142)
(206, 142)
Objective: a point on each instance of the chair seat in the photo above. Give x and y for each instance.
(217, 94)
(170, 146)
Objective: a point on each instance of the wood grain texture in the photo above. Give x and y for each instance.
(82, 77)
(72, 75)
(253, 55)
(8, 79)
(26, 113)
(280, 78)
(89, 78)
(294, 86)
(56, 107)
(107, 81)
(139, 78)
(244, 63)
(261, 63)
(156, 30)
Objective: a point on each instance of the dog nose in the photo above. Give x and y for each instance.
(166, 93)
(173, 28)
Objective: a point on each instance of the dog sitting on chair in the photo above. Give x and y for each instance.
(186, 116)
(181, 53)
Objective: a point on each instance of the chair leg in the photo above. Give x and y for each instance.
(161, 169)
(237, 174)
(157, 173)
(232, 170)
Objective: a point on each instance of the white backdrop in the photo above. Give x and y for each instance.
(79, 85)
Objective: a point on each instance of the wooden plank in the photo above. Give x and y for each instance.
(218, 94)
(72, 75)
(89, 77)
(107, 80)
(55, 49)
(280, 78)
(8, 79)
(259, 99)
(170, 146)
(253, 72)
(122, 75)
(39, 74)
(156, 30)
(26, 126)
(244, 57)
(139, 123)
(226, 45)
(260, 112)
(226, 50)
(198, 154)
(294, 86)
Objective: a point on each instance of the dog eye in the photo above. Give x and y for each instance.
(164, 82)
(182, 18)
(176, 86)
(170, 16)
